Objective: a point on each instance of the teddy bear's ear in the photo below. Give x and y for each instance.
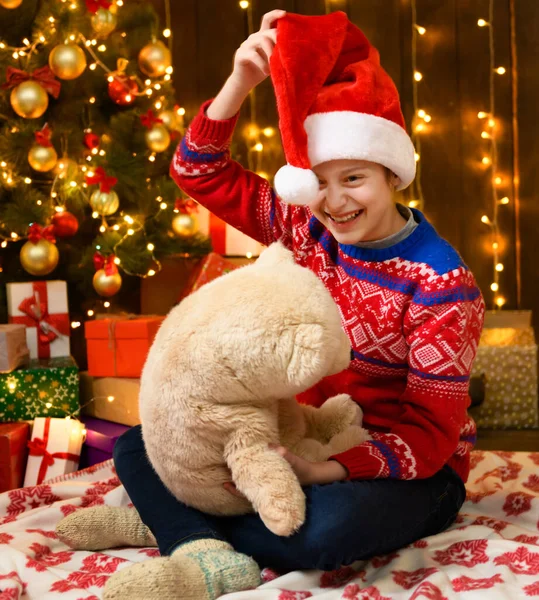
(274, 255)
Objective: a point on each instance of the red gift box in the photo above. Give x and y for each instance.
(119, 347)
(210, 267)
(13, 454)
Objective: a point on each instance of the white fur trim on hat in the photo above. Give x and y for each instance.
(295, 185)
(352, 135)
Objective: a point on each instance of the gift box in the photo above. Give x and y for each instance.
(45, 388)
(224, 238)
(100, 439)
(507, 360)
(42, 307)
(113, 399)
(119, 347)
(13, 454)
(13, 349)
(54, 449)
(210, 267)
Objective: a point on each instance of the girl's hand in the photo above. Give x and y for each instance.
(251, 62)
(307, 472)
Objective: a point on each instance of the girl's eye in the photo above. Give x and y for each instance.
(353, 178)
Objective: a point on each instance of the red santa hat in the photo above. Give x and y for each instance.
(335, 101)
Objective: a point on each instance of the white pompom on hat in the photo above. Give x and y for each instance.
(335, 101)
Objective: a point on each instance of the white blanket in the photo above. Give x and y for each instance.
(491, 552)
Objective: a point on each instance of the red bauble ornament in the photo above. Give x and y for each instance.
(123, 90)
(65, 224)
(91, 140)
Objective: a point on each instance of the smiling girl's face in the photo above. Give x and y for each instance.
(355, 202)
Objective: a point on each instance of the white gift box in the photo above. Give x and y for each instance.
(42, 307)
(226, 240)
(54, 449)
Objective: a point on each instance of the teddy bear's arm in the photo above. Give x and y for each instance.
(265, 477)
(333, 417)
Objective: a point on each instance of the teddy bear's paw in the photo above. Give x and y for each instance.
(283, 514)
(351, 437)
(340, 412)
(310, 449)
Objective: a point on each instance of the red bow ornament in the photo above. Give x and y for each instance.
(43, 137)
(91, 140)
(36, 233)
(149, 120)
(44, 76)
(186, 206)
(38, 447)
(94, 5)
(105, 262)
(100, 177)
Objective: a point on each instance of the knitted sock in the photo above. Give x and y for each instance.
(103, 527)
(200, 570)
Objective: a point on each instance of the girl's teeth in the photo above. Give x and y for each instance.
(345, 219)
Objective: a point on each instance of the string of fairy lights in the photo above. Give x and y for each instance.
(489, 133)
(68, 173)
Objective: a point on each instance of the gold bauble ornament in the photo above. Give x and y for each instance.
(105, 203)
(67, 61)
(170, 119)
(40, 258)
(158, 138)
(107, 285)
(42, 158)
(29, 100)
(185, 225)
(154, 59)
(10, 3)
(66, 169)
(104, 22)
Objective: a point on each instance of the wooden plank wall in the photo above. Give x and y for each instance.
(454, 59)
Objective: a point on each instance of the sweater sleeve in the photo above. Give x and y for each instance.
(442, 329)
(203, 169)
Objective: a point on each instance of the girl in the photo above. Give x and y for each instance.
(409, 304)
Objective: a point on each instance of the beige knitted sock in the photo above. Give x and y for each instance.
(199, 570)
(102, 527)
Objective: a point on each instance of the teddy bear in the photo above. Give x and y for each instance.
(219, 385)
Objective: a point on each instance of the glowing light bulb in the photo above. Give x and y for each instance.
(494, 287)
(418, 76)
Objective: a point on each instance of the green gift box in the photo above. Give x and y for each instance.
(45, 388)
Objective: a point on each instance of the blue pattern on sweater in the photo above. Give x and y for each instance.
(423, 245)
(190, 156)
(392, 460)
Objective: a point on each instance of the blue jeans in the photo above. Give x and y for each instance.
(346, 521)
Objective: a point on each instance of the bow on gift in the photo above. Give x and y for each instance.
(44, 76)
(38, 447)
(100, 177)
(36, 233)
(105, 262)
(36, 314)
(94, 5)
(43, 137)
(186, 206)
(149, 119)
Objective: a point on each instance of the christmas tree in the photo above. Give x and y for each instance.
(88, 126)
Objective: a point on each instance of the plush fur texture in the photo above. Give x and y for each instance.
(219, 387)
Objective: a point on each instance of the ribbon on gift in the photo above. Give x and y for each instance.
(44, 76)
(38, 447)
(36, 314)
(100, 177)
(94, 5)
(43, 136)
